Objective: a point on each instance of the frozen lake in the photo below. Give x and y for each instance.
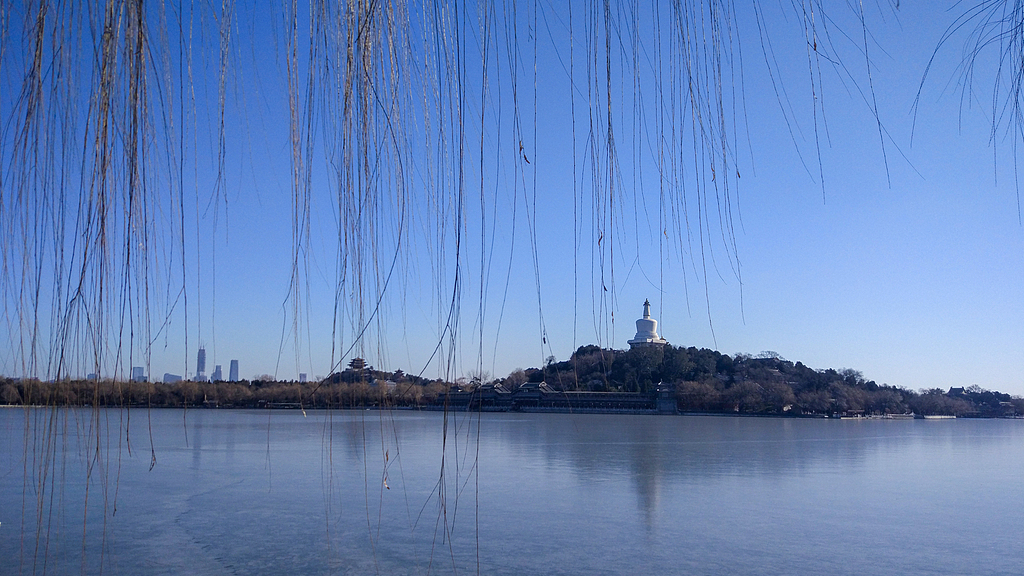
(400, 492)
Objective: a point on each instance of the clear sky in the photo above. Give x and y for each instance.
(901, 256)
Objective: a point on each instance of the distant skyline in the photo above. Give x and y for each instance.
(893, 247)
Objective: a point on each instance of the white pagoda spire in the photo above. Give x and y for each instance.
(647, 330)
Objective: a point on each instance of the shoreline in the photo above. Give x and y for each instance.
(534, 410)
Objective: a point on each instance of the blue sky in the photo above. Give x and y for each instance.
(907, 264)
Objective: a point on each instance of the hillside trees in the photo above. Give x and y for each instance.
(709, 381)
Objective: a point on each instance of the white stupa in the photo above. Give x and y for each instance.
(647, 330)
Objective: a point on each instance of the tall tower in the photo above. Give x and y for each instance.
(647, 330)
(201, 364)
(233, 371)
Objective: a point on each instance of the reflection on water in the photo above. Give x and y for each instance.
(274, 492)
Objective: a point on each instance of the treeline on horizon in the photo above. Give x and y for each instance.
(704, 381)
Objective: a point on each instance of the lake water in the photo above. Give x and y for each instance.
(365, 492)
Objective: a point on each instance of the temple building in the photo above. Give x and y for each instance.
(647, 330)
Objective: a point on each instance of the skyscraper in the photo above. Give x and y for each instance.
(138, 374)
(233, 371)
(217, 375)
(201, 364)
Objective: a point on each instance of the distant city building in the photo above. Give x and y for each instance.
(233, 371)
(91, 376)
(647, 330)
(217, 375)
(171, 378)
(201, 365)
(302, 377)
(138, 374)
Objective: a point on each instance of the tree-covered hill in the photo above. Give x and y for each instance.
(707, 380)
